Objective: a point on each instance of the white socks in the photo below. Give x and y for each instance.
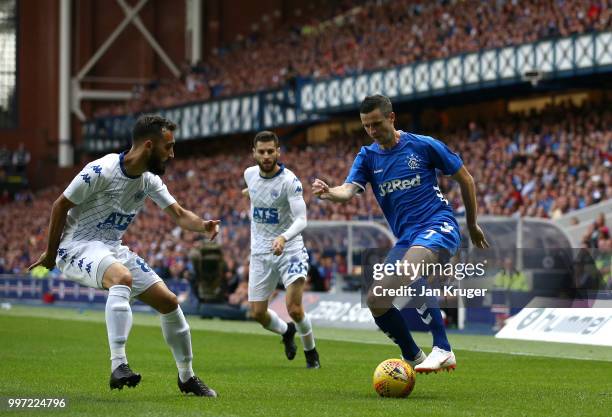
(304, 328)
(176, 332)
(276, 325)
(118, 322)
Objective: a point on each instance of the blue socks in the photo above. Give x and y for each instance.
(430, 313)
(394, 326)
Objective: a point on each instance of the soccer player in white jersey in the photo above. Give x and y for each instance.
(278, 216)
(85, 230)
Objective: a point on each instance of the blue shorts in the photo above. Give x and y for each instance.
(440, 235)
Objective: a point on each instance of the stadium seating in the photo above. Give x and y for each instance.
(366, 36)
(542, 165)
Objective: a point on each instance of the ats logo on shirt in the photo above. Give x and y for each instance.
(117, 221)
(265, 215)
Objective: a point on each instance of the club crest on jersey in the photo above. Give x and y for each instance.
(139, 195)
(413, 161)
(274, 193)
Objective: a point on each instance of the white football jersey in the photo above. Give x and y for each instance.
(107, 200)
(270, 211)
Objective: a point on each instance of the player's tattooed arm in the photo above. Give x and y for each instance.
(188, 220)
(59, 212)
(468, 194)
(339, 194)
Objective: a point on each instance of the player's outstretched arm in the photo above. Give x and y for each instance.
(245, 192)
(188, 220)
(468, 194)
(339, 194)
(59, 212)
(297, 206)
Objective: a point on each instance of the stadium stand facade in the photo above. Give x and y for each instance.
(547, 163)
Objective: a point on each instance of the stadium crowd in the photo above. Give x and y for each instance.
(544, 164)
(13, 172)
(364, 36)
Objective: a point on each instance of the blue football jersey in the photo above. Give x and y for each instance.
(404, 181)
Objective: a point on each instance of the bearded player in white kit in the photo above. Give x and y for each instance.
(85, 230)
(278, 216)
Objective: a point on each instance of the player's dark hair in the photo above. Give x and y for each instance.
(377, 101)
(150, 126)
(265, 136)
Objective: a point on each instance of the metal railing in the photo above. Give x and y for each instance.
(311, 101)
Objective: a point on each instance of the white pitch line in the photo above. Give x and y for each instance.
(544, 355)
(381, 343)
(332, 338)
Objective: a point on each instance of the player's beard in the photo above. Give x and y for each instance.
(156, 165)
(269, 168)
(386, 140)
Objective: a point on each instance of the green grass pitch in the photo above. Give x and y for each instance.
(63, 353)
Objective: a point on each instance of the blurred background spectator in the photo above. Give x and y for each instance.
(543, 164)
(350, 37)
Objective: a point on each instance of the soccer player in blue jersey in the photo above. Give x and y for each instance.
(401, 168)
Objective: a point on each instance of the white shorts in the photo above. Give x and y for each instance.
(80, 262)
(266, 270)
